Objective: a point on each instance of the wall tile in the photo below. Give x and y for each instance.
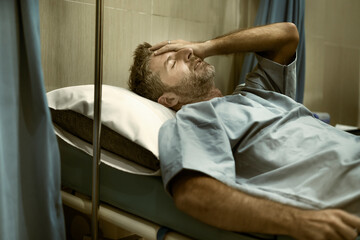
(182, 9)
(143, 6)
(314, 84)
(341, 90)
(358, 123)
(332, 59)
(209, 11)
(247, 12)
(231, 11)
(67, 37)
(341, 22)
(315, 17)
(164, 28)
(122, 33)
(82, 1)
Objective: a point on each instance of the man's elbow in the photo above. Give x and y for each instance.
(287, 43)
(184, 202)
(186, 197)
(292, 35)
(191, 194)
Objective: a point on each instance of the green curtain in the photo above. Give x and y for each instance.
(272, 11)
(30, 200)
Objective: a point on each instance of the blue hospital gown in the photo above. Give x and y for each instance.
(262, 142)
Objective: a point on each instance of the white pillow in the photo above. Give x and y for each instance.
(123, 111)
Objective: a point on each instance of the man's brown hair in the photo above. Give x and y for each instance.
(143, 81)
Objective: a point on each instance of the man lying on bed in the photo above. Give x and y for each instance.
(255, 161)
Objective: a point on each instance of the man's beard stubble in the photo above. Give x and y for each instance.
(196, 86)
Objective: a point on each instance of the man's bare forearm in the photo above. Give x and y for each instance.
(212, 202)
(219, 205)
(275, 41)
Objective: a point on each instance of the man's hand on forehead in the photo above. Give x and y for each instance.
(199, 49)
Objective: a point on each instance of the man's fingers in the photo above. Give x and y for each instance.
(346, 225)
(353, 223)
(347, 232)
(328, 224)
(169, 45)
(166, 48)
(159, 45)
(351, 219)
(165, 43)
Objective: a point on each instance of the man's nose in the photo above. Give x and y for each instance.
(185, 54)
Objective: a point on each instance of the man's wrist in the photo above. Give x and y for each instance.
(288, 221)
(294, 222)
(298, 220)
(208, 49)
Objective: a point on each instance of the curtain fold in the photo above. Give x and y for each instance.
(272, 11)
(30, 200)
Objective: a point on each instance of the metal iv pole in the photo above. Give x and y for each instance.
(97, 116)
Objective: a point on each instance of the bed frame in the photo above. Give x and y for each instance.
(118, 218)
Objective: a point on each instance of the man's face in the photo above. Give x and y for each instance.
(184, 73)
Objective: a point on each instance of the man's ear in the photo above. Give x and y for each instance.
(168, 99)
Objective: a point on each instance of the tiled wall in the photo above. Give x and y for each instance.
(332, 43)
(333, 59)
(67, 35)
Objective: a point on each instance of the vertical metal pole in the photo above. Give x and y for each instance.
(97, 116)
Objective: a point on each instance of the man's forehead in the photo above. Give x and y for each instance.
(156, 62)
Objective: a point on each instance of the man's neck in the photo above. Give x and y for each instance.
(213, 93)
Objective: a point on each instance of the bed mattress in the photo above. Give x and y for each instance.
(143, 196)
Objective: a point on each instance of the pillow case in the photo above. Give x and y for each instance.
(130, 123)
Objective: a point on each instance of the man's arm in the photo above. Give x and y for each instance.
(277, 42)
(214, 203)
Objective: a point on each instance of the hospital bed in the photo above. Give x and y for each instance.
(132, 196)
